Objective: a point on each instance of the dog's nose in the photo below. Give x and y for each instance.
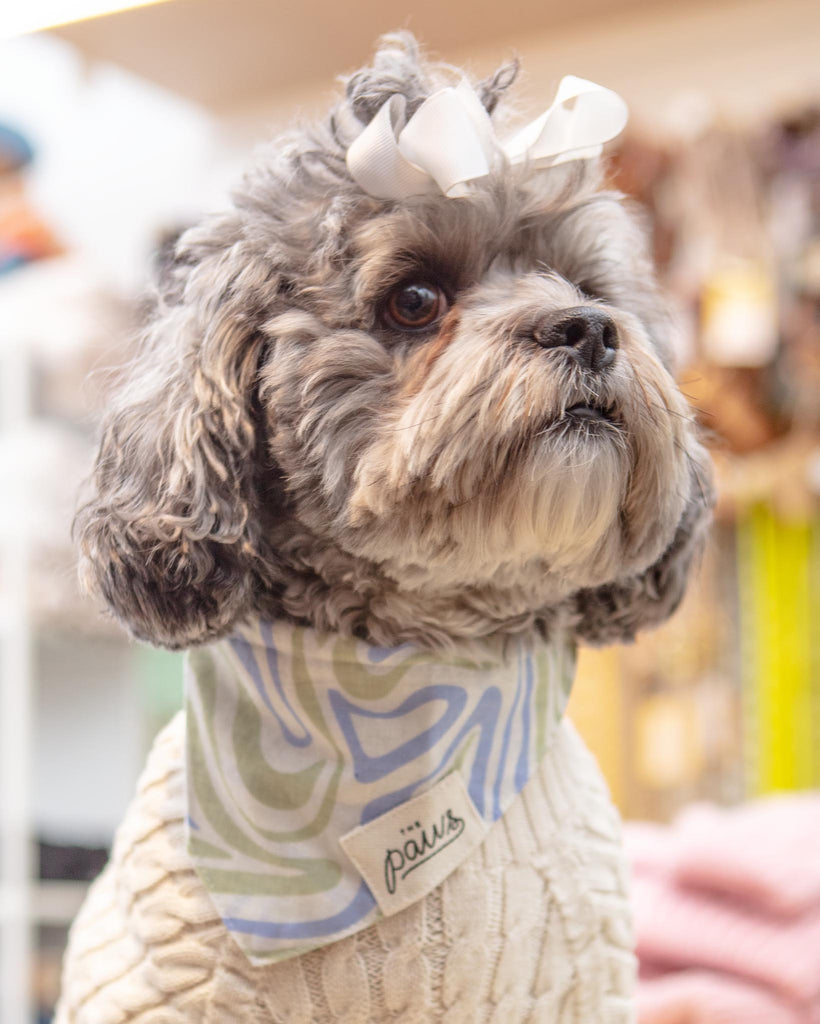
(588, 332)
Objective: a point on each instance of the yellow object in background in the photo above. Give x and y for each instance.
(779, 577)
(668, 716)
(596, 707)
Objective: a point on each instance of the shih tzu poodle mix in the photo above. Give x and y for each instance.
(403, 431)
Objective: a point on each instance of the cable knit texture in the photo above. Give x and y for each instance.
(533, 927)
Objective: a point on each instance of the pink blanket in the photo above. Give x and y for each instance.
(766, 852)
(727, 903)
(679, 928)
(700, 997)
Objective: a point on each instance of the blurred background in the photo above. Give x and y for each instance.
(117, 129)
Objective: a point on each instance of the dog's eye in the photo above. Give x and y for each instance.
(591, 290)
(414, 305)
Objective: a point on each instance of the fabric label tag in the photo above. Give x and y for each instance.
(408, 851)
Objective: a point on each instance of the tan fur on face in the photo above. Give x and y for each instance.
(472, 471)
(420, 365)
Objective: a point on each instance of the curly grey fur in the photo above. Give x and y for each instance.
(278, 449)
(614, 613)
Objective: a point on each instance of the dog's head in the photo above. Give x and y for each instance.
(415, 419)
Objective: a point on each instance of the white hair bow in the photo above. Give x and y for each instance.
(450, 140)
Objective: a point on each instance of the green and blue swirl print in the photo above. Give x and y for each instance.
(294, 738)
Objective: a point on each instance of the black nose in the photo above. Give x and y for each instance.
(588, 332)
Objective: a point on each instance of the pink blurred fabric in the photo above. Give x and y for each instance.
(650, 848)
(679, 928)
(766, 852)
(702, 997)
(727, 914)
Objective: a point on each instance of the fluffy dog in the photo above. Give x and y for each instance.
(433, 421)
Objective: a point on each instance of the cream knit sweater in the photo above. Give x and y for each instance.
(533, 927)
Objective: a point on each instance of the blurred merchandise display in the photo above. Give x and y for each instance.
(24, 235)
(724, 701)
(665, 715)
(75, 694)
(66, 331)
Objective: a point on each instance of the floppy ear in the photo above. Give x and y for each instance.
(615, 612)
(171, 536)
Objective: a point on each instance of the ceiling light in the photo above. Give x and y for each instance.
(17, 19)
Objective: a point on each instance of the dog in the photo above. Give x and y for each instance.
(422, 430)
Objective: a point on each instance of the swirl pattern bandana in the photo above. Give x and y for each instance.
(313, 759)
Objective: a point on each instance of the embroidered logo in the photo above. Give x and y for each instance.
(410, 850)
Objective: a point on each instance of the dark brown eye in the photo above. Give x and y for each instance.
(414, 305)
(590, 290)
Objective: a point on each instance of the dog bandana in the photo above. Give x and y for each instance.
(331, 782)
(450, 141)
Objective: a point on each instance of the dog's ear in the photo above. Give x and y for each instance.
(170, 537)
(614, 613)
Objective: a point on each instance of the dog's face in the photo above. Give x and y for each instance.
(478, 394)
(376, 415)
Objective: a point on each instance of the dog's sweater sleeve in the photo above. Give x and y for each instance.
(533, 927)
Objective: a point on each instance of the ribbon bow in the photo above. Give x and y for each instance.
(450, 140)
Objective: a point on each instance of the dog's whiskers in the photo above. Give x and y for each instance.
(417, 423)
(695, 469)
(672, 412)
